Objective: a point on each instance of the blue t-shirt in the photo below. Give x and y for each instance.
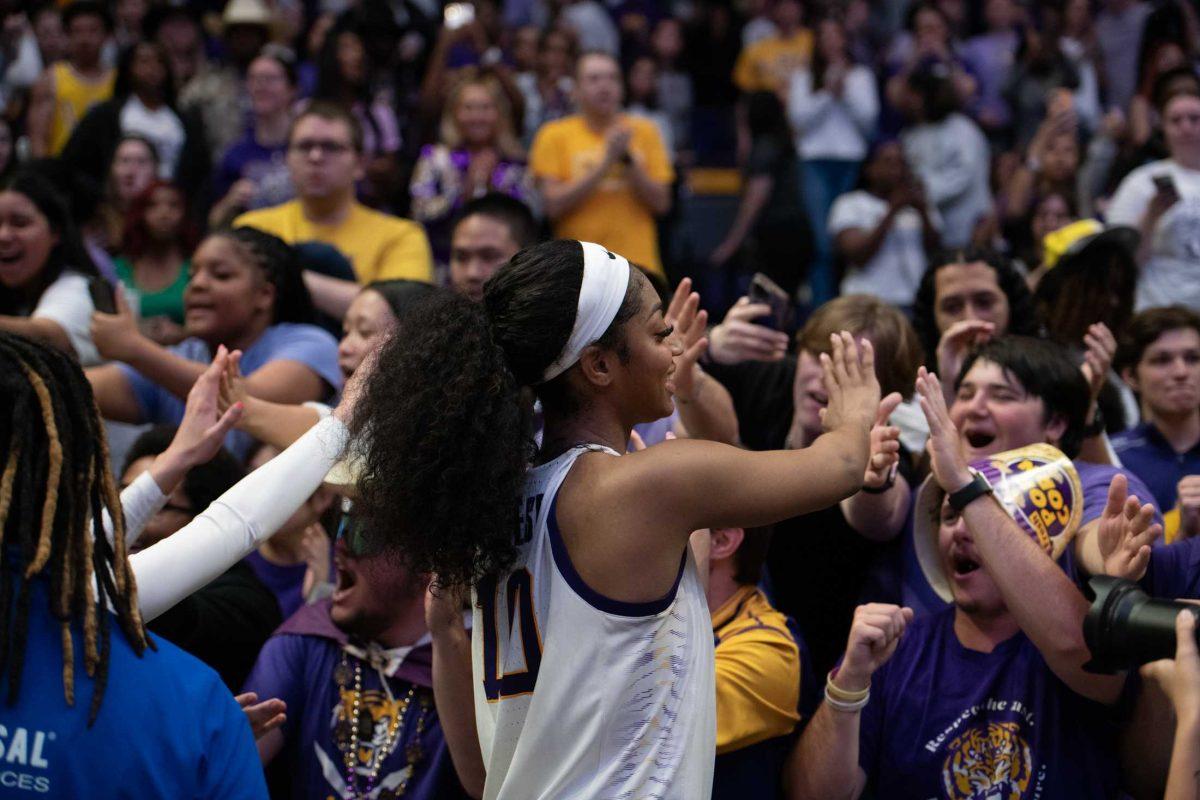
(956, 724)
(1093, 479)
(167, 727)
(1144, 452)
(311, 346)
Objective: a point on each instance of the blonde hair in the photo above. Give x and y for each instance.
(506, 141)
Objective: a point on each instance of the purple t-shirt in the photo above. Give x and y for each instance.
(313, 347)
(265, 166)
(286, 581)
(1174, 570)
(300, 669)
(1093, 479)
(956, 724)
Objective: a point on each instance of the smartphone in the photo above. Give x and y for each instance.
(1165, 183)
(457, 15)
(764, 290)
(104, 299)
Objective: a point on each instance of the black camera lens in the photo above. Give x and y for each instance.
(1125, 627)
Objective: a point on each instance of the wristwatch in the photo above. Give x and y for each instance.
(977, 488)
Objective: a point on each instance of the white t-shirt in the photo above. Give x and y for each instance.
(579, 695)
(895, 271)
(951, 158)
(1172, 272)
(68, 302)
(161, 126)
(834, 128)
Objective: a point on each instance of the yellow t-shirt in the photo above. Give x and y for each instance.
(758, 672)
(73, 97)
(768, 64)
(612, 216)
(379, 246)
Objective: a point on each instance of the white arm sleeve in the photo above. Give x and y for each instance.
(140, 501)
(237, 521)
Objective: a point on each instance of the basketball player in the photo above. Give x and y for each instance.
(592, 643)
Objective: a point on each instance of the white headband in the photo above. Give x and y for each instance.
(605, 281)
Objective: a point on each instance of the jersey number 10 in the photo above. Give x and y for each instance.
(518, 594)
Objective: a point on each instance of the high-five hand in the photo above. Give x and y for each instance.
(1127, 530)
(885, 445)
(850, 383)
(946, 456)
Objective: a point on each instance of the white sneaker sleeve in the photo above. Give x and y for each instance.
(236, 522)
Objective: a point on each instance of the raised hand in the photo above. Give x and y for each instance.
(204, 425)
(116, 336)
(263, 717)
(957, 341)
(1127, 530)
(690, 323)
(314, 546)
(850, 383)
(1189, 506)
(738, 338)
(233, 383)
(874, 635)
(885, 445)
(945, 449)
(1097, 360)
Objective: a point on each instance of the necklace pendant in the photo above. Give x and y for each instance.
(341, 674)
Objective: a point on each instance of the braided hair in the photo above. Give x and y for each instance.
(54, 488)
(279, 263)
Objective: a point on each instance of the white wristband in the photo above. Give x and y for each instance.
(844, 707)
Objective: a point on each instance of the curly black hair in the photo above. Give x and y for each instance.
(278, 261)
(442, 428)
(1022, 314)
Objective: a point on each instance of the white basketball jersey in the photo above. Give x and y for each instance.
(581, 696)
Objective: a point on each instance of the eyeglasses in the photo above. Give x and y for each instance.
(326, 147)
(351, 532)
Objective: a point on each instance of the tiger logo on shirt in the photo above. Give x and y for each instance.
(989, 761)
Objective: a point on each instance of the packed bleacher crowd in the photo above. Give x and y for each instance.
(280, 284)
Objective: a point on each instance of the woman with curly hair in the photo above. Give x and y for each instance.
(245, 291)
(592, 643)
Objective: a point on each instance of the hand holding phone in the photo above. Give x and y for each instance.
(766, 291)
(104, 299)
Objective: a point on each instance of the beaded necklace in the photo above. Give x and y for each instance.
(362, 729)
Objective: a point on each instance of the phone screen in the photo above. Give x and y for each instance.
(764, 290)
(103, 298)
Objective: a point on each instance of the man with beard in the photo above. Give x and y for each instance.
(356, 674)
(987, 697)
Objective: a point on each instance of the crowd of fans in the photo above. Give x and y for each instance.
(221, 212)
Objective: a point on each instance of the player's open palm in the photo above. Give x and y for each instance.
(850, 383)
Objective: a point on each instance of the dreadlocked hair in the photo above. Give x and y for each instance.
(54, 490)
